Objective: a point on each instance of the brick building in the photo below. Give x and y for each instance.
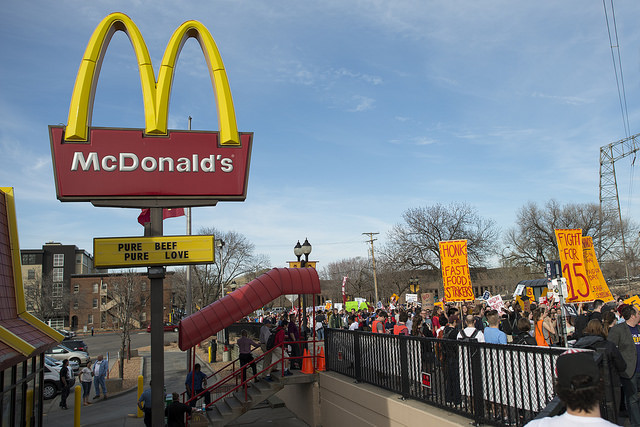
(99, 300)
(46, 274)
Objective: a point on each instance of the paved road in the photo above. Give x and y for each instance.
(119, 410)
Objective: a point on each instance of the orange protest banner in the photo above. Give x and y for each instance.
(573, 268)
(455, 271)
(598, 285)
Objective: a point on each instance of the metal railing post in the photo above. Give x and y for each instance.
(476, 382)
(357, 366)
(404, 366)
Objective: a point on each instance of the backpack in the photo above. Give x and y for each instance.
(271, 342)
(472, 338)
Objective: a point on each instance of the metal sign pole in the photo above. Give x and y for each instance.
(156, 276)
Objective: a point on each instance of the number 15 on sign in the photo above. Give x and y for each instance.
(573, 268)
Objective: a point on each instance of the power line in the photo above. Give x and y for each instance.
(615, 50)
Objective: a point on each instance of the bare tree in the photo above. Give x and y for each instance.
(359, 278)
(233, 259)
(125, 300)
(532, 241)
(414, 244)
(46, 299)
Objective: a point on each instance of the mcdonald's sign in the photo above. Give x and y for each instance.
(138, 167)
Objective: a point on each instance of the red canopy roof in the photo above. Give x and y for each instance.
(242, 302)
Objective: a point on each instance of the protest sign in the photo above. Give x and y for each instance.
(427, 299)
(455, 271)
(598, 285)
(634, 300)
(573, 268)
(411, 298)
(496, 303)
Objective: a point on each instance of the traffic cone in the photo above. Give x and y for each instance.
(321, 364)
(307, 365)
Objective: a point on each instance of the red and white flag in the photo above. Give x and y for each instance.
(145, 215)
(344, 294)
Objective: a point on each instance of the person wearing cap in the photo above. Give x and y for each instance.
(578, 386)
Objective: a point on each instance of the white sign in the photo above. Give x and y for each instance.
(563, 287)
(338, 305)
(486, 295)
(518, 290)
(291, 298)
(495, 302)
(411, 297)
(360, 300)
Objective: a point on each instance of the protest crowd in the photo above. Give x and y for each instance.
(610, 327)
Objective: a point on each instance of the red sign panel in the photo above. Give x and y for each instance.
(189, 167)
(426, 380)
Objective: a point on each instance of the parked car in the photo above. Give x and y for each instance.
(51, 380)
(53, 362)
(76, 345)
(168, 327)
(60, 352)
(67, 334)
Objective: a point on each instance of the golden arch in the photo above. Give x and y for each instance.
(155, 93)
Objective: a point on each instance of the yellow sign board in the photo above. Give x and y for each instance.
(597, 283)
(148, 251)
(298, 264)
(634, 300)
(573, 266)
(455, 271)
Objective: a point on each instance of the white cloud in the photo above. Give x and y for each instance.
(363, 104)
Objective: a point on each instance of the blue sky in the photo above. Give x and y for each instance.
(360, 110)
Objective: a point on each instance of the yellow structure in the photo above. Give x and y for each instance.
(155, 93)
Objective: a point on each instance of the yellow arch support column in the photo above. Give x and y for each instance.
(140, 387)
(77, 403)
(29, 407)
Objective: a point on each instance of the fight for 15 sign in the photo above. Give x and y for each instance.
(149, 251)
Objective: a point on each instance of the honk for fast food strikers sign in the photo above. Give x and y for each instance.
(455, 271)
(139, 167)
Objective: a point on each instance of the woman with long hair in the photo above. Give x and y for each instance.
(416, 329)
(538, 319)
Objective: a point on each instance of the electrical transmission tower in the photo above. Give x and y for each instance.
(609, 199)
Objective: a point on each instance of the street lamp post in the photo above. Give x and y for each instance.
(414, 286)
(299, 250)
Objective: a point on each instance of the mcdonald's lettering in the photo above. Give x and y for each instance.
(128, 162)
(110, 165)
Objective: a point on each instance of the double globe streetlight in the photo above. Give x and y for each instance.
(298, 251)
(304, 249)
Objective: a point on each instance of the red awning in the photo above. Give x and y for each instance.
(244, 301)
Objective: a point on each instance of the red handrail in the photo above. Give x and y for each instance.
(238, 371)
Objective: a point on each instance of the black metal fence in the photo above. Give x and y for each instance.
(490, 383)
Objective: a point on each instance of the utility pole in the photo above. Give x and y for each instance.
(189, 307)
(373, 258)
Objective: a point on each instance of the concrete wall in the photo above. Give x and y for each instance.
(337, 401)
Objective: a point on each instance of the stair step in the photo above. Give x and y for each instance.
(275, 402)
(234, 404)
(262, 385)
(240, 396)
(223, 409)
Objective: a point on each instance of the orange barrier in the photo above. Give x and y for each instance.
(307, 364)
(321, 364)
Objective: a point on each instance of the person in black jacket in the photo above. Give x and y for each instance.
(594, 337)
(524, 337)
